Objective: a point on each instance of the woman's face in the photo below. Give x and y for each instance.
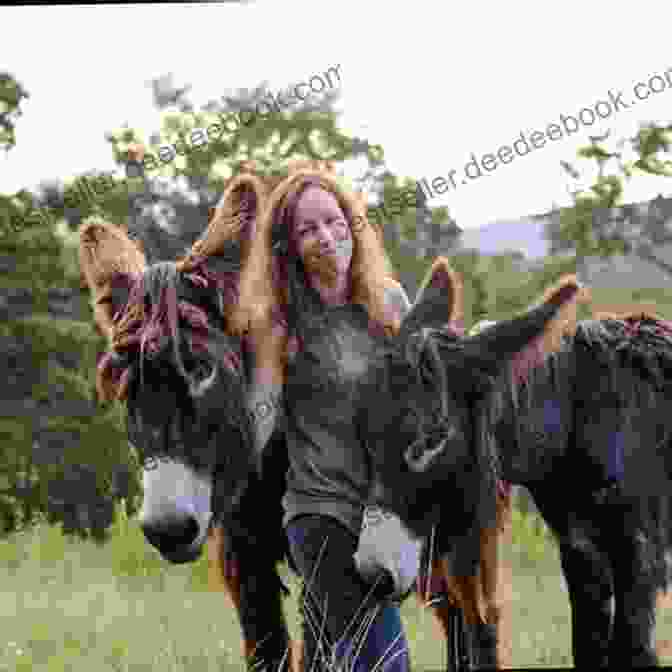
(322, 234)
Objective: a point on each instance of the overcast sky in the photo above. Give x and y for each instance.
(431, 81)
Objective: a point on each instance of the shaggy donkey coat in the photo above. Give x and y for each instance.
(582, 420)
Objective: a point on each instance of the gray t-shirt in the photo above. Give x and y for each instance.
(330, 471)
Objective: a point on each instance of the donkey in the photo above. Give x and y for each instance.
(590, 410)
(183, 379)
(460, 597)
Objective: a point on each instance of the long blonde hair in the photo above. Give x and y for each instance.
(371, 270)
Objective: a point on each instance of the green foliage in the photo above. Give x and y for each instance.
(649, 142)
(38, 267)
(586, 228)
(298, 132)
(12, 93)
(469, 266)
(94, 440)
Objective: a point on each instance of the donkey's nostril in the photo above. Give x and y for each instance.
(172, 536)
(384, 586)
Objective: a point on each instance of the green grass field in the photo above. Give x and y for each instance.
(70, 605)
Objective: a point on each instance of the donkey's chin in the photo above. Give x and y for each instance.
(182, 557)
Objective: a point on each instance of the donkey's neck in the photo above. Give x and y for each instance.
(533, 419)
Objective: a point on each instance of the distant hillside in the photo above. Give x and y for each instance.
(629, 272)
(525, 235)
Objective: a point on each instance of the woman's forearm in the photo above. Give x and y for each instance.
(264, 401)
(264, 404)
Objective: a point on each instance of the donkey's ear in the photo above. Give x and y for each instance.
(530, 336)
(232, 219)
(438, 301)
(110, 262)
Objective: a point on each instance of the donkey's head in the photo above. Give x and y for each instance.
(187, 408)
(433, 456)
(182, 376)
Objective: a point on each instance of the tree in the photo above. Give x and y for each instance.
(176, 195)
(470, 266)
(48, 469)
(598, 224)
(12, 93)
(479, 298)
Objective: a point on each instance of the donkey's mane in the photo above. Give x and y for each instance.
(160, 302)
(639, 341)
(221, 271)
(551, 340)
(172, 345)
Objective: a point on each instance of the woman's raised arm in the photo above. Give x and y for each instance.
(267, 346)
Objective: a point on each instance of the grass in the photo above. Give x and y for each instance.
(72, 605)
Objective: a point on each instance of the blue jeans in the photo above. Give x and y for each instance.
(341, 617)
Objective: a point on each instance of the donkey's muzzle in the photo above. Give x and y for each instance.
(173, 539)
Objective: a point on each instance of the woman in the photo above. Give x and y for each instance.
(315, 284)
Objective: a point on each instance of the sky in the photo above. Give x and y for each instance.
(429, 81)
